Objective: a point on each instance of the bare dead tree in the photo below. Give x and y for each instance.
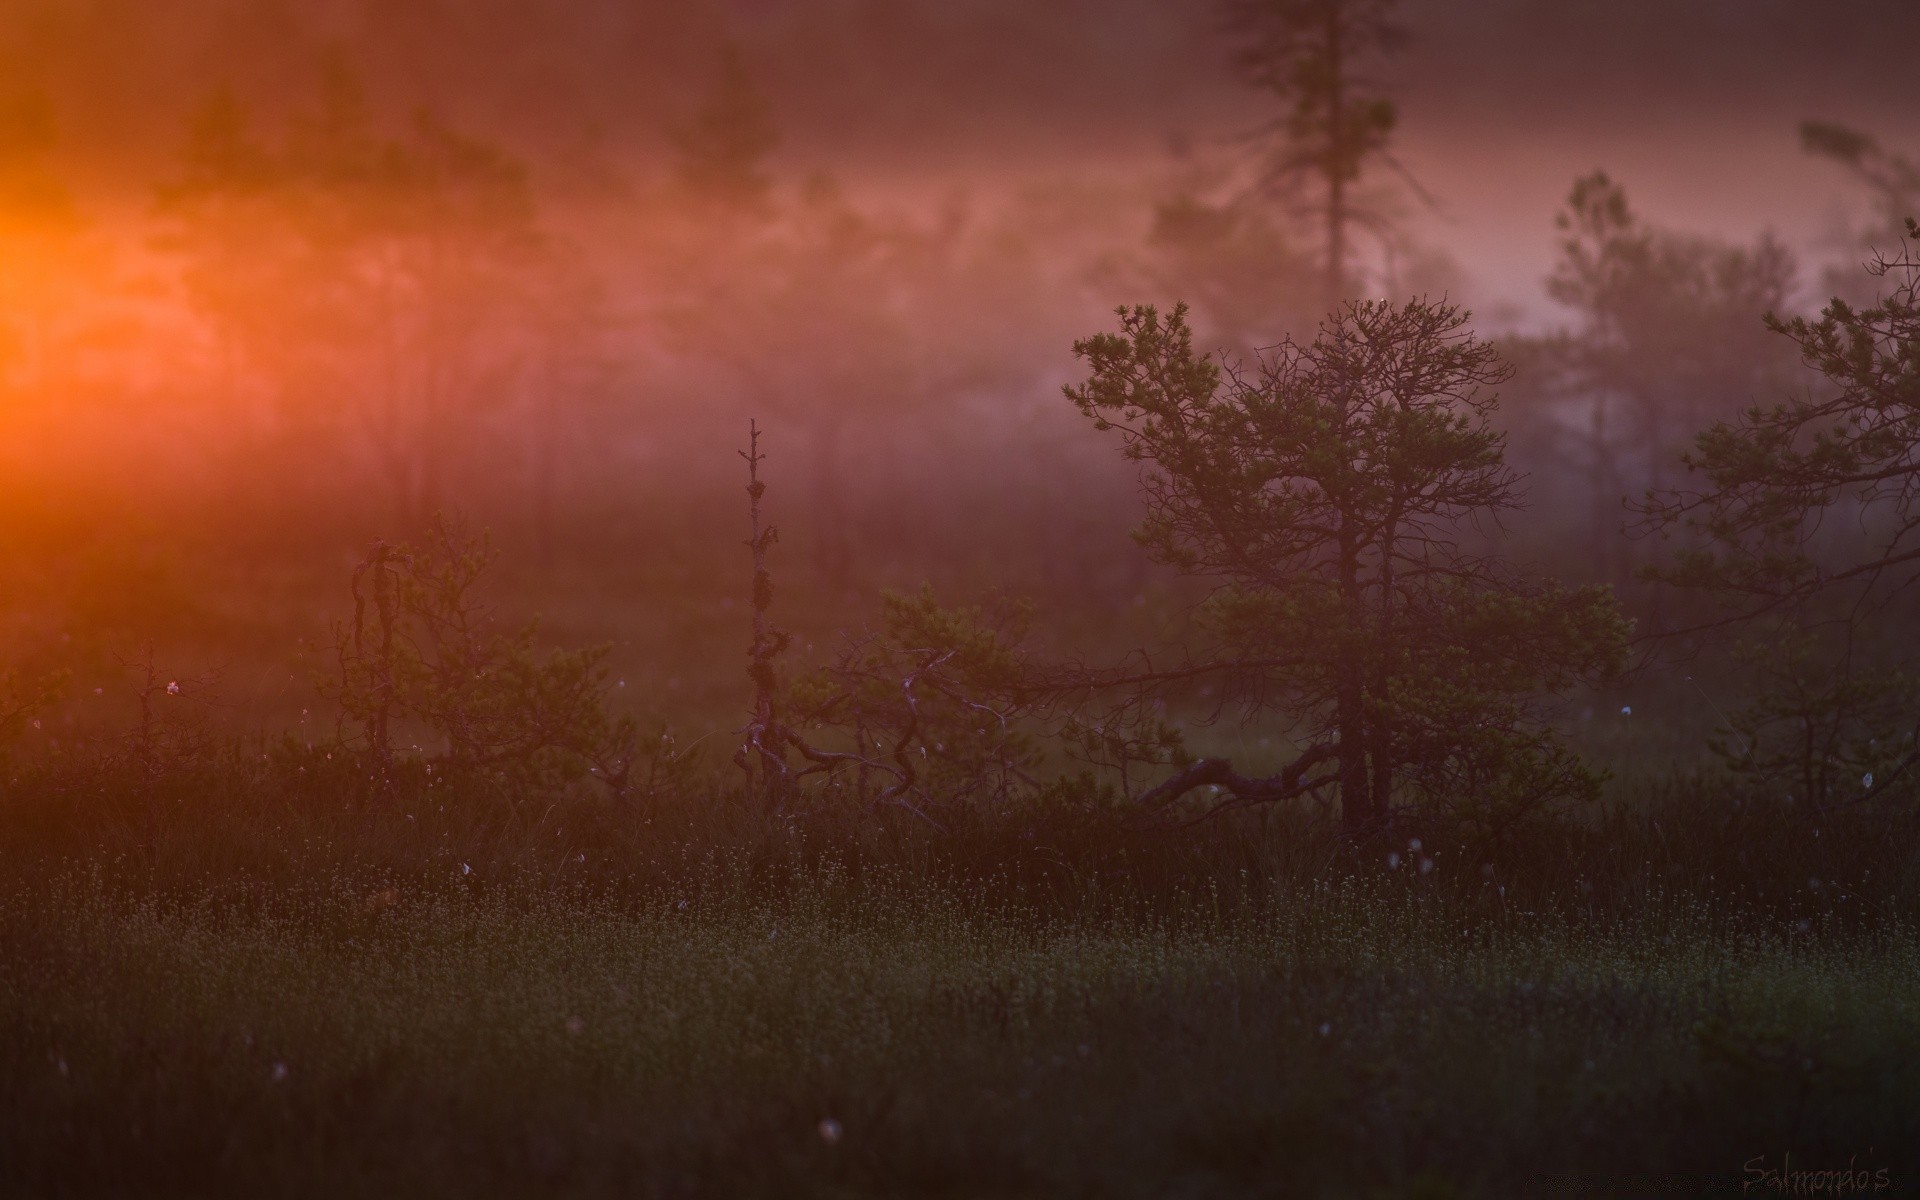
(768, 738)
(762, 741)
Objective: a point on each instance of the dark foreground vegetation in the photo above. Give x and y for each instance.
(297, 991)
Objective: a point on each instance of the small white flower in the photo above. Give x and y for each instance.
(1414, 845)
(1866, 781)
(830, 1131)
(465, 869)
(1626, 710)
(1426, 866)
(1393, 860)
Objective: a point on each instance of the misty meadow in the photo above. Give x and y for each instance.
(959, 598)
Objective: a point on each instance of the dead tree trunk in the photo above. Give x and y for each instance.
(761, 740)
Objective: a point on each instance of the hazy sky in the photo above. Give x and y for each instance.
(1691, 103)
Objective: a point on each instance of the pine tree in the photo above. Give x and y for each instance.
(1324, 491)
(1773, 473)
(1807, 532)
(1311, 54)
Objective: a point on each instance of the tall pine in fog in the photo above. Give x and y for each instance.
(1313, 56)
(1324, 491)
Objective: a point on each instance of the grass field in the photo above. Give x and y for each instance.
(820, 1031)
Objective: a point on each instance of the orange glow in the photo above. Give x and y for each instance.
(270, 285)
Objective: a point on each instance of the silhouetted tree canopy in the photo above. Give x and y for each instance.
(1772, 474)
(1808, 525)
(1325, 490)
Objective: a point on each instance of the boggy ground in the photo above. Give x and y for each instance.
(741, 1026)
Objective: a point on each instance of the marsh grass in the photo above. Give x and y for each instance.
(284, 984)
(1360, 1036)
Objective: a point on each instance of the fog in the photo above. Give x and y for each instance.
(277, 278)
